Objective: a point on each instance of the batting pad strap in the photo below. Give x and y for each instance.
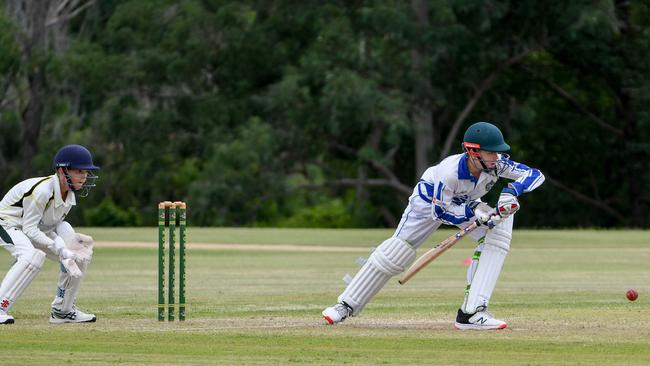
(393, 256)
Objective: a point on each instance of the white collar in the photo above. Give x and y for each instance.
(58, 197)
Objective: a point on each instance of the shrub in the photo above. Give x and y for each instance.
(107, 213)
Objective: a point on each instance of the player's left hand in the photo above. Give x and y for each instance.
(508, 204)
(82, 246)
(84, 239)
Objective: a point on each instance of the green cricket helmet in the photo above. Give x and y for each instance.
(484, 136)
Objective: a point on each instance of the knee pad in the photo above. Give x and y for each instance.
(500, 236)
(33, 260)
(393, 256)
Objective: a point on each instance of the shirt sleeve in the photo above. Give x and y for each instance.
(33, 208)
(526, 179)
(443, 207)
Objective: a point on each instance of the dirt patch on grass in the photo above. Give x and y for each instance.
(239, 247)
(288, 324)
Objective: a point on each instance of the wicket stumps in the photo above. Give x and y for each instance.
(170, 216)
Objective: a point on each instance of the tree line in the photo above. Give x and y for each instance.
(309, 113)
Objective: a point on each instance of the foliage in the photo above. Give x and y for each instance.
(281, 113)
(107, 213)
(334, 213)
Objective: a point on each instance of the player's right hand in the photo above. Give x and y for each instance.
(72, 268)
(482, 211)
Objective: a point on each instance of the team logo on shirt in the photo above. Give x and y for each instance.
(459, 200)
(489, 186)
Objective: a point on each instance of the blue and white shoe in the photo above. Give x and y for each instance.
(75, 316)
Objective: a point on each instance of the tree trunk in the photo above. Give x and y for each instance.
(423, 128)
(626, 113)
(32, 17)
(423, 125)
(32, 117)
(44, 25)
(631, 134)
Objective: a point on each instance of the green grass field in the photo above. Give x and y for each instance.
(562, 293)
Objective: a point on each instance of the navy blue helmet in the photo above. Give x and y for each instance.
(74, 156)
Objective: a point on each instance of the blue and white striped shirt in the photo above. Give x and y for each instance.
(449, 186)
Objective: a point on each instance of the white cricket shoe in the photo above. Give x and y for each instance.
(6, 318)
(337, 313)
(481, 320)
(75, 316)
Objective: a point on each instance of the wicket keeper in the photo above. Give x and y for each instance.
(32, 227)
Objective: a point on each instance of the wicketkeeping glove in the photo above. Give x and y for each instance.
(66, 253)
(68, 259)
(82, 246)
(71, 267)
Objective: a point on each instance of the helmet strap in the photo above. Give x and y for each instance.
(472, 151)
(68, 180)
(85, 189)
(485, 168)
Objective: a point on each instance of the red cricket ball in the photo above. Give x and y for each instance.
(632, 295)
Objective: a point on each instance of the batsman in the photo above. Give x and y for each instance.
(450, 193)
(32, 227)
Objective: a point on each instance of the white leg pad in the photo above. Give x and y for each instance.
(475, 258)
(67, 288)
(392, 257)
(19, 277)
(67, 285)
(490, 263)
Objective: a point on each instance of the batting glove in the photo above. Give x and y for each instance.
(482, 211)
(508, 203)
